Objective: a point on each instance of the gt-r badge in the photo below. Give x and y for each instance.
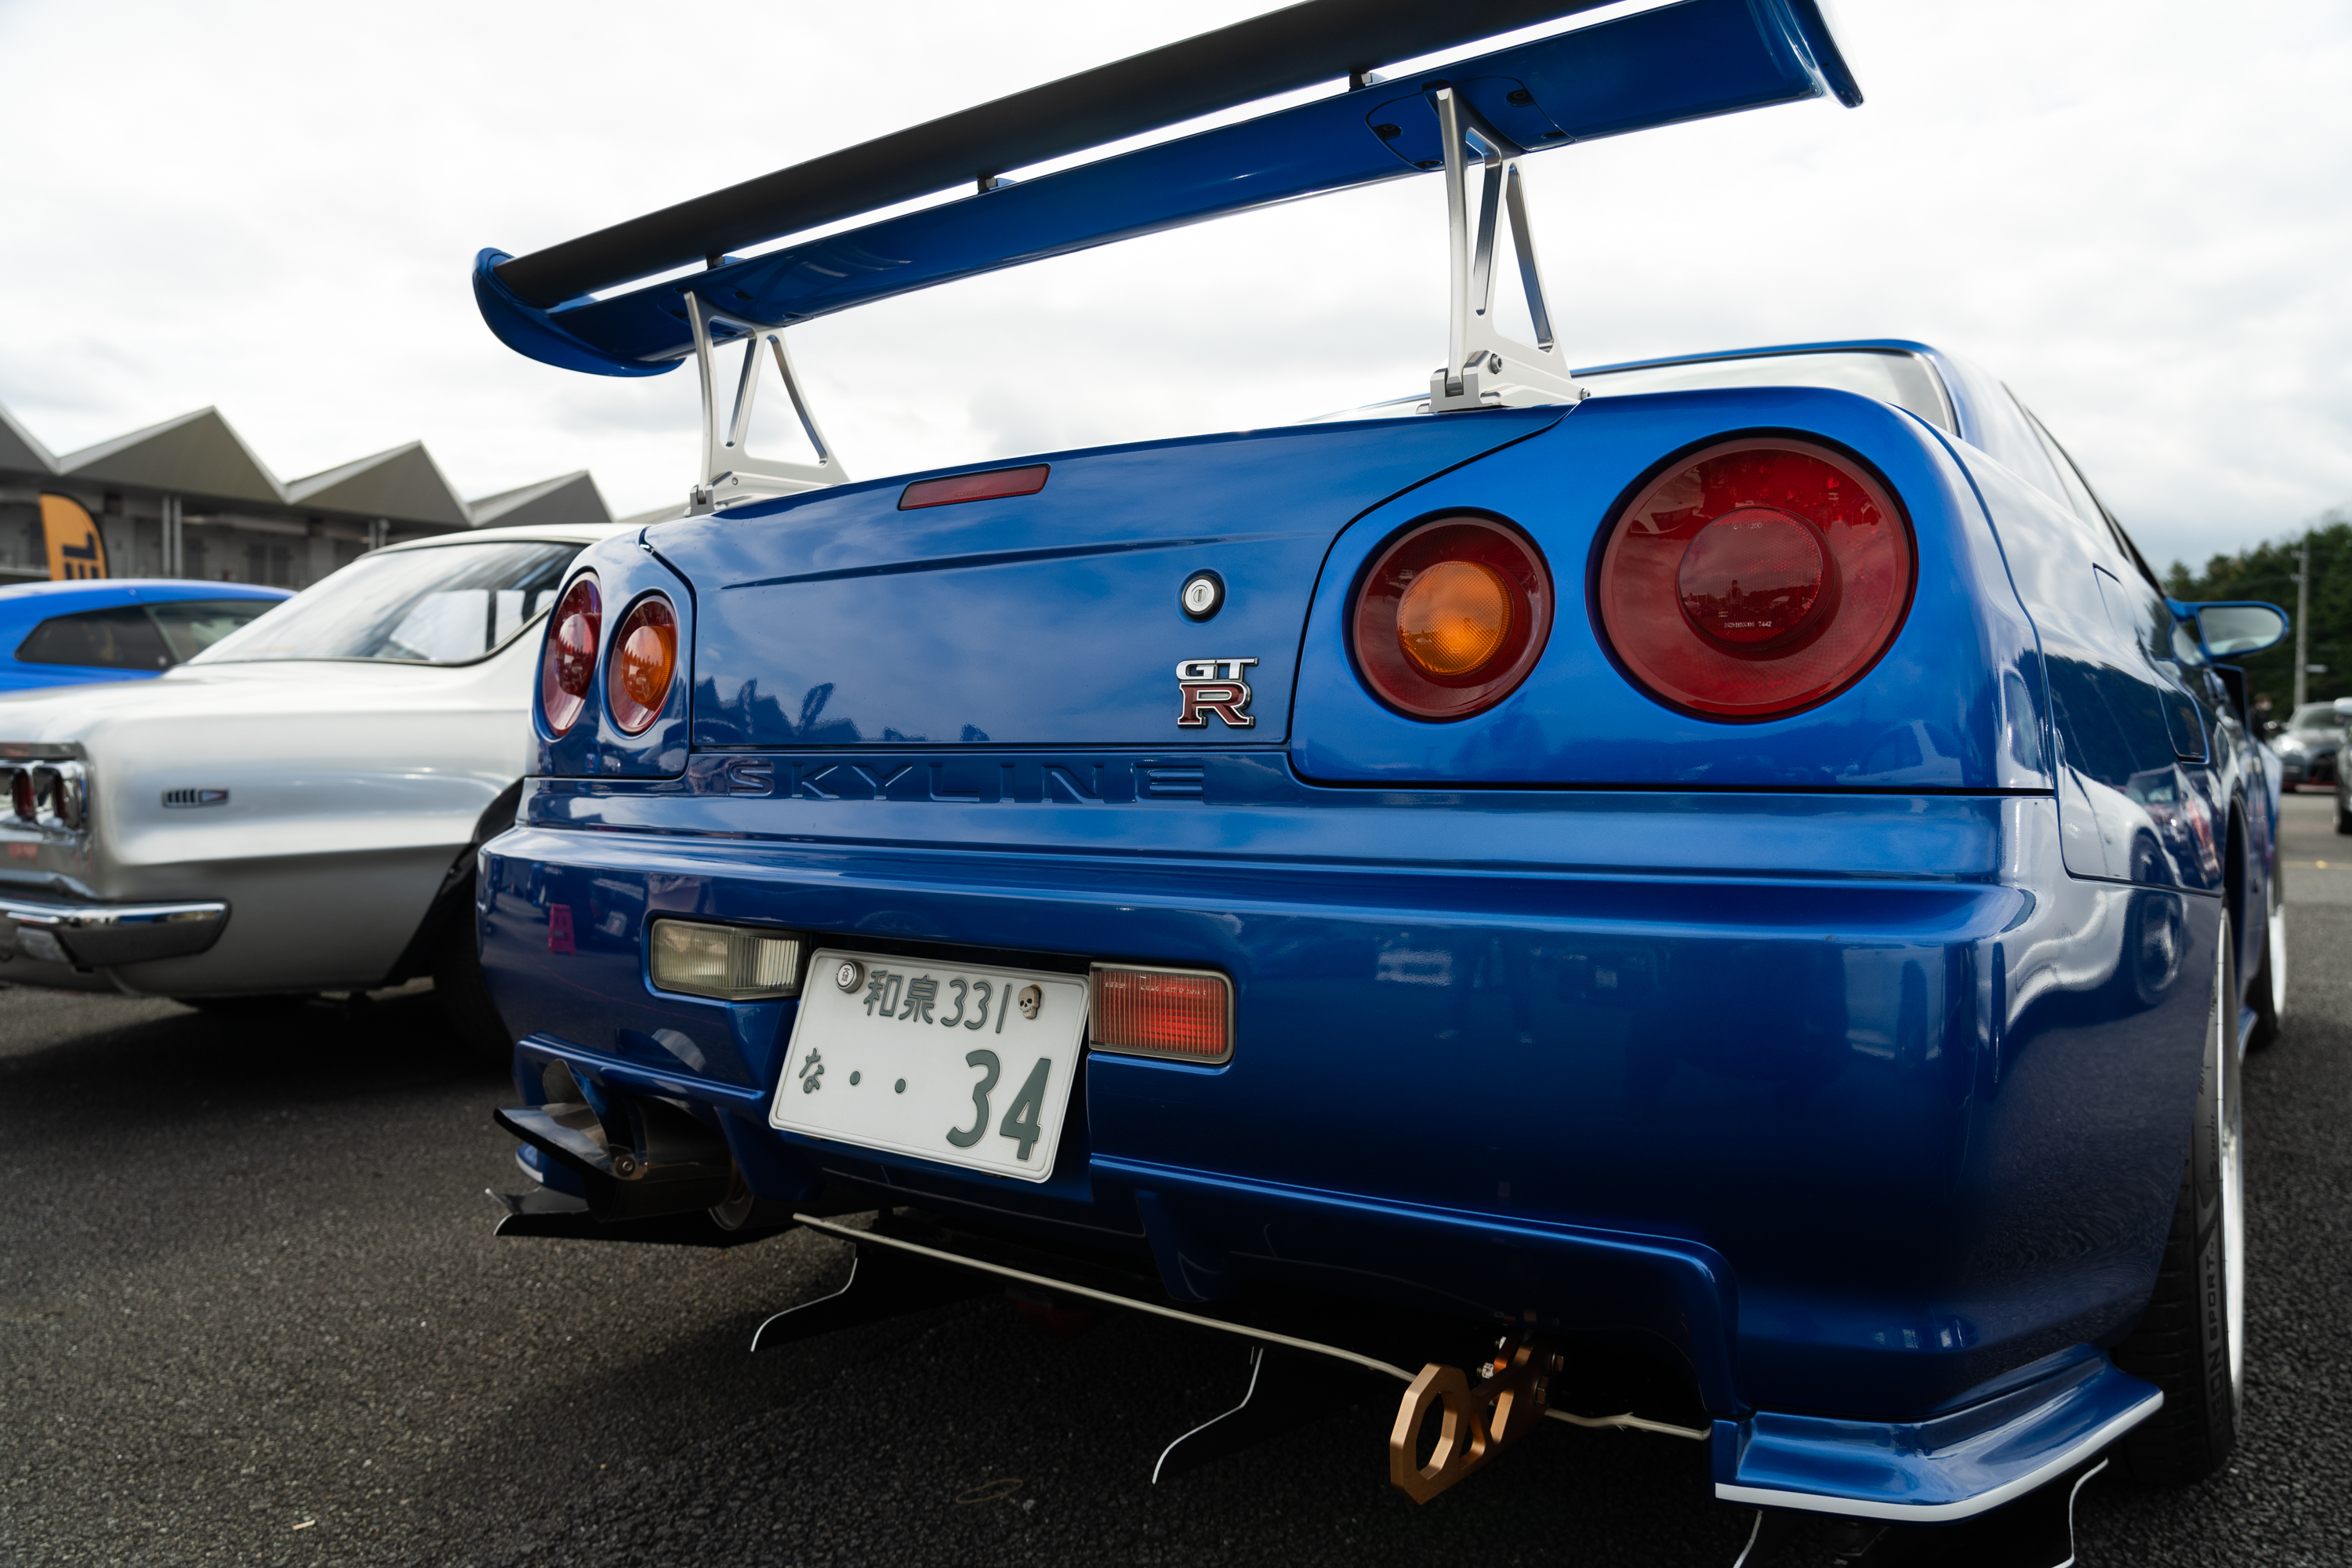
(1214, 686)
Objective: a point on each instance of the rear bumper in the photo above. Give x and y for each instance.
(1938, 1471)
(103, 936)
(1832, 1104)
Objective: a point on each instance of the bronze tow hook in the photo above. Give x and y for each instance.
(1480, 1418)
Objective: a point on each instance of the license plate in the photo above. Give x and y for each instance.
(960, 1063)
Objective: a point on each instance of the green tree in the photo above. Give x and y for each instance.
(2267, 573)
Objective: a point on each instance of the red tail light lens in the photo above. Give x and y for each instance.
(1757, 578)
(568, 663)
(21, 795)
(1451, 617)
(1180, 1012)
(645, 658)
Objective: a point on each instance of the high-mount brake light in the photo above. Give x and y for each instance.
(992, 485)
(1451, 617)
(1186, 1015)
(645, 658)
(1755, 578)
(568, 662)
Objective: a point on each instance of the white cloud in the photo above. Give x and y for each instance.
(2131, 215)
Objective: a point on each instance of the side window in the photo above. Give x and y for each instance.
(2078, 494)
(191, 625)
(2086, 505)
(122, 638)
(2003, 429)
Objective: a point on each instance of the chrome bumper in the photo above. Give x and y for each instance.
(98, 936)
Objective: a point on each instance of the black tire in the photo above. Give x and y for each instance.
(2343, 813)
(2190, 1341)
(2267, 994)
(464, 996)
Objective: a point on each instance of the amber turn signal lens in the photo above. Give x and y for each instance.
(1453, 616)
(1185, 1014)
(568, 663)
(644, 658)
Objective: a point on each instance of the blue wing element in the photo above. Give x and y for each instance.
(1682, 62)
(533, 333)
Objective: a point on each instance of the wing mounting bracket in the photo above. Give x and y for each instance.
(1483, 368)
(729, 473)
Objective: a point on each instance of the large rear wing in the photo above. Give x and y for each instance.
(1678, 62)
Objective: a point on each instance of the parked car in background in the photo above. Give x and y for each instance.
(1723, 876)
(294, 809)
(117, 628)
(2343, 778)
(2307, 742)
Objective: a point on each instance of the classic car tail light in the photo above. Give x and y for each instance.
(51, 796)
(1755, 578)
(734, 963)
(1186, 1013)
(569, 662)
(1451, 617)
(645, 657)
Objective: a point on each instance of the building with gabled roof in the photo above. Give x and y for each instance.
(187, 498)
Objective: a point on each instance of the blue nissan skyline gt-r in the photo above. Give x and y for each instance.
(1715, 896)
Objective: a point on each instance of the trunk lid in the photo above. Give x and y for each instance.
(836, 620)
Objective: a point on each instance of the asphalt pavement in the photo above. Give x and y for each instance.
(251, 1312)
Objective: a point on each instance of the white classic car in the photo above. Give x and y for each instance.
(296, 809)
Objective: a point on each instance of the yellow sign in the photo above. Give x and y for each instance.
(75, 551)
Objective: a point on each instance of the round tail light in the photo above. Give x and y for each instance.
(1451, 617)
(645, 658)
(1755, 578)
(568, 663)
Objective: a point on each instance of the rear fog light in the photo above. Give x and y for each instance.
(1185, 1015)
(732, 964)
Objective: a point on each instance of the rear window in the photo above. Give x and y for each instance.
(138, 636)
(1906, 380)
(2315, 717)
(191, 625)
(446, 604)
(120, 637)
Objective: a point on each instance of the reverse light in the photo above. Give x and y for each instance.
(1186, 1015)
(645, 658)
(1758, 577)
(732, 964)
(1451, 617)
(568, 662)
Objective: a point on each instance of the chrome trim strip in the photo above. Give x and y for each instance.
(102, 935)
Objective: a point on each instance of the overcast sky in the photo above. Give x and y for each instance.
(2135, 214)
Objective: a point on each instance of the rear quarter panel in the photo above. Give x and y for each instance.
(1949, 706)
